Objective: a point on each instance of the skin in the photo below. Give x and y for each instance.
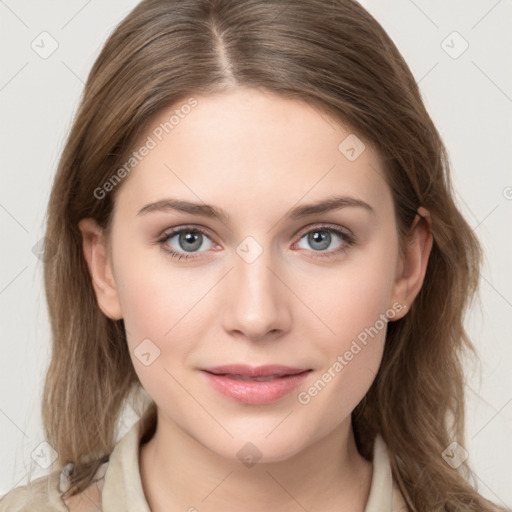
(256, 155)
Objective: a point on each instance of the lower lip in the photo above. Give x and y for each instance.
(255, 392)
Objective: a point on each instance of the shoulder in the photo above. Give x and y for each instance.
(89, 500)
(44, 494)
(41, 494)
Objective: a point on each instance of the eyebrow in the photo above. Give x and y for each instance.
(298, 212)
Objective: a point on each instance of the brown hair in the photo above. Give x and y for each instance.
(336, 57)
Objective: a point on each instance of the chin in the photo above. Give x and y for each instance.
(250, 448)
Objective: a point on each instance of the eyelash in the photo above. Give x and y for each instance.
(348, 241)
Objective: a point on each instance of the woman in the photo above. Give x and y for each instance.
(304, 351)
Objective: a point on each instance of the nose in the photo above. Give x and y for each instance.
(257, 303)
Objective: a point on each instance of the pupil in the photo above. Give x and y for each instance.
(320, 237)
(192, 239)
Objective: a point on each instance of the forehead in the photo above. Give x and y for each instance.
(250, 148)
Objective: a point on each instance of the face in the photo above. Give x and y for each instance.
(266, 284)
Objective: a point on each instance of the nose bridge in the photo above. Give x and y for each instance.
(257, 302)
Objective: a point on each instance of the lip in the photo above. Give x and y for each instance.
(235, 381)
(245, 370)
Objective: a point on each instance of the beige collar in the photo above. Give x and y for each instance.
(122, 489)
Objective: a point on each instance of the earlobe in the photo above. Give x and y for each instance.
(412, 267)
(100, 269)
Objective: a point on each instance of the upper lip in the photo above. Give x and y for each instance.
(277, 370)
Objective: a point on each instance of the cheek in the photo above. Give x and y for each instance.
(353, 297)
(352, 355)
(143, 304)
(151, 292)
(152, 310)
(353, 302)
(161, 308)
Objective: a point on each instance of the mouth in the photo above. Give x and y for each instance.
(255, 385)
(247, 378)
(257, 373)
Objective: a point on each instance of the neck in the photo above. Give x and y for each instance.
(179, 473)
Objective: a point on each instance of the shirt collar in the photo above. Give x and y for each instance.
(122, 489)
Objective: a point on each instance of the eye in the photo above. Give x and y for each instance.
(186, 241)
(322, 238)
(182, 243)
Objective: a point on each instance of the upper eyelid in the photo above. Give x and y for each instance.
(326, 226)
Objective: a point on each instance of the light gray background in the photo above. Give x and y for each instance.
(469, 97)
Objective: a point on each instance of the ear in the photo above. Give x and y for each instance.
(412, 264)
(100, 268)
